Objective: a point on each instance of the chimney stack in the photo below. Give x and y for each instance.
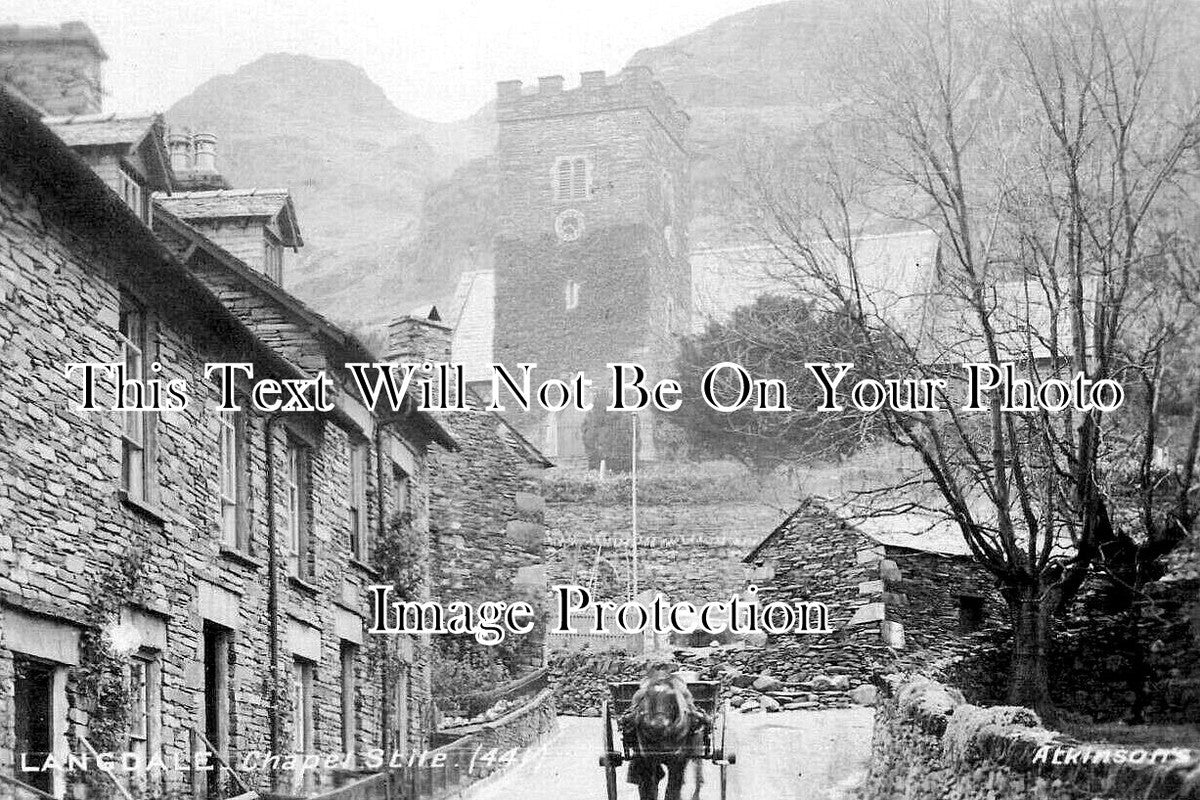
(56, 67)
(205, 145)
(179, 146)
(416, 339)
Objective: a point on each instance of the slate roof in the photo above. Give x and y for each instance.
(472, 316)
(908, 531)
(231, 203)
(83, 130)
(896, 271)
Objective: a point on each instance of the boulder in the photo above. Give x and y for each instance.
(864, 695)
(765, 683)
(742, 681)
(748, 706)
(770, 704)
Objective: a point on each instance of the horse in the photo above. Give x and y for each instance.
(664, 731)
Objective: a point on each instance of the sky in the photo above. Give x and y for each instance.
(437, 59)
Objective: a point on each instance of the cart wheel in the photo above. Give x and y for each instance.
(607, 761)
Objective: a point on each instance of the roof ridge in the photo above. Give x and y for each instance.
(251, 192)
(103, 116)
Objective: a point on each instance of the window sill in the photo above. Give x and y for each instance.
(303, 585)
(364, 567)
(241, 557)
(142, 508)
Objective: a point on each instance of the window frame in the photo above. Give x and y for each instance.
(138, 457)
(273, 258)
(358, 508)
(233, 481)
(146, 703)
(297, 499)
(133, 193)
(302, 704)
(572, 178)
(348, 661)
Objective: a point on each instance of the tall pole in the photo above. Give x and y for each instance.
(633, 502)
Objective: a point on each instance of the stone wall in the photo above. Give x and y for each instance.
(493, 746)
(1108, 665)
(487, 530)
(82, 567)
(930, 744)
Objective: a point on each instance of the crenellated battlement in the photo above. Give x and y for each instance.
(597, 92)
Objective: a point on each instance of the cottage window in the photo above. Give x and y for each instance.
(358, 501)
(302, 705)
(296, 505)
(133, 195)
(36, 706)
(970, 613)
(234, 528)
(137, 427)
(572, 295)
(349, 657)
(218, 642)
(145, 704)
(572, 178)
(273, 259)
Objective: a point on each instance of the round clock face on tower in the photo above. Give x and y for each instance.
(568, 225)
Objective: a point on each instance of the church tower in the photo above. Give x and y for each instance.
(591, 252)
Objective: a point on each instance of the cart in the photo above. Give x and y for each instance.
(707, 695)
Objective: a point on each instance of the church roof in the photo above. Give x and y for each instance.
(896, 271)
(472, 315)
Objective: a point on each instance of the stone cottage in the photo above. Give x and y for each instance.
(911, 592)
(486, 498)
(188, 580)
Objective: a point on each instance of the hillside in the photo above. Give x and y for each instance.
(393, 207)
(358, 167)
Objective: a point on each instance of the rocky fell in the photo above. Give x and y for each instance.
(393, 207)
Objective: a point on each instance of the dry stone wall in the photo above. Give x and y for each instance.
(929, 744)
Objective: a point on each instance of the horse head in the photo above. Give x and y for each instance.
(661, 710)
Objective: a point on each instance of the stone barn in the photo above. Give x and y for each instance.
(916, 593)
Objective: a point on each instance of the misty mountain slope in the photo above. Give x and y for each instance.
(393, 208)
(357, 166)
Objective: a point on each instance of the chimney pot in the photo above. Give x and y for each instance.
(507, 91)
(179, 146)
(205, 145)
(593, 79)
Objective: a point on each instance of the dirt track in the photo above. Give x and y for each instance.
(791, 755)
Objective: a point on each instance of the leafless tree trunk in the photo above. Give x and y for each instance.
(1052, 147)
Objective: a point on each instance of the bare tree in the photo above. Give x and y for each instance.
(1052, 147)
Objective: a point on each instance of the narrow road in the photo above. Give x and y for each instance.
(791, 755)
